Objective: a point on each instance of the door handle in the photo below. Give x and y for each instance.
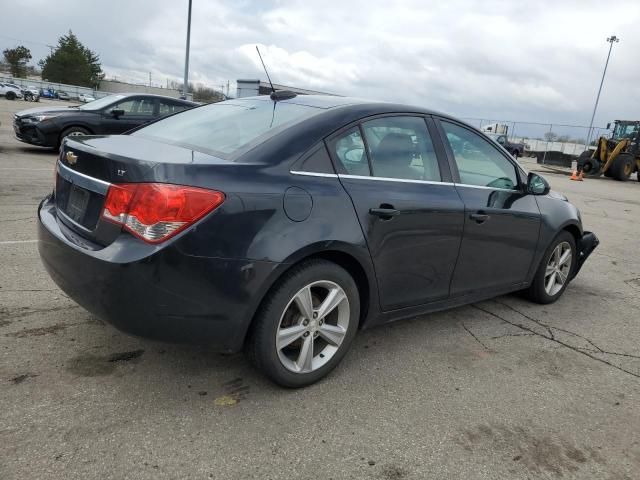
(384, 213)
(479, 217)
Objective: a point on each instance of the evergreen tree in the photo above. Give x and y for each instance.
(72, 63)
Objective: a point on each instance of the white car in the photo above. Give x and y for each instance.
(85, 98)
(9, 91)
(31, 93)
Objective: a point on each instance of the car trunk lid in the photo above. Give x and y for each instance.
(88, 165)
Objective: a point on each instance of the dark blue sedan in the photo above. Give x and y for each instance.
(284, 225)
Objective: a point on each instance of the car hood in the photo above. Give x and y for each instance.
(44, 110)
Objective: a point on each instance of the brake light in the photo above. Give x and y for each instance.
(155, 212)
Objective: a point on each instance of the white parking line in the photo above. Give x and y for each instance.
(13, 242)
(29, 169)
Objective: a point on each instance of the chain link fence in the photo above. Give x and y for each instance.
(548, 142)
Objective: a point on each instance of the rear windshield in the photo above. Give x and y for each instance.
(225, 128)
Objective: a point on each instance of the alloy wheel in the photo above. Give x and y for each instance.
(312, 326)
(558, 268)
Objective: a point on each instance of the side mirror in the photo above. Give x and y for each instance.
(117, 112)
(536, 185)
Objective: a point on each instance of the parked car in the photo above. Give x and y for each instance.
(285, 226)
(514, 148)
(47, 93)
(63, 96)
(31, 94)
(9, 91)
(85, 98)
(47, 126)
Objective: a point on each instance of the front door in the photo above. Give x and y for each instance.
(502, 221)
(411, 218)
(134, 112)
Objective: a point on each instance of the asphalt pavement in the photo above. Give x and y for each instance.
(502, 389)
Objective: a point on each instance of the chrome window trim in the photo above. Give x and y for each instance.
(313, 174)
(401, 180)
(94, 184)
(486, 188)
(388, 179)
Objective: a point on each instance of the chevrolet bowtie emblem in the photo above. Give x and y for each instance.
(72, 158)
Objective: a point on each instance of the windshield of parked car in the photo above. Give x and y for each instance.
(224, 128)
(101, 102)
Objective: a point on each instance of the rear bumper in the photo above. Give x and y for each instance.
(586, 245)
(155, 292)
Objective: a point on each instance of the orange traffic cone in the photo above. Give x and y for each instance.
(578, 177)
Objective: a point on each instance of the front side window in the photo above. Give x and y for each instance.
(137, 106)
(401, 147)
(479, 162)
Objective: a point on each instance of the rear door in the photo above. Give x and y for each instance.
(410, 212)
(137, 111)
(502, 221)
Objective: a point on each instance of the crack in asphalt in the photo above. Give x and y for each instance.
(553, 339)
(474, 337)
(569, 332)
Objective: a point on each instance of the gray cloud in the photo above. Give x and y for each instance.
(538, 61)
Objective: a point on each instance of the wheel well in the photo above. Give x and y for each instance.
(573, 230)
(351, 265)
(346, 261)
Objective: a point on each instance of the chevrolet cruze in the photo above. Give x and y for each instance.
(282, 225)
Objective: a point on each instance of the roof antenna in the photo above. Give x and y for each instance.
(273, 90)
(275, 96)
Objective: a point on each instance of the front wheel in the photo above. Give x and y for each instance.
(10, 96)
(554, 272)
(306, 324)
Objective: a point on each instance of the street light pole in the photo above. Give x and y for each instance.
(185, 86)
(612, 39)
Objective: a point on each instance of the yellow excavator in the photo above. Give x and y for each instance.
(615, 157)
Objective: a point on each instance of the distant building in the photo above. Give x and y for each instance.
(251, 88)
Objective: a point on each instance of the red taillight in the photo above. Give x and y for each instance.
(155, 212)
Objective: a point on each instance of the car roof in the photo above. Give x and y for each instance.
(152, 95)
(328, 102)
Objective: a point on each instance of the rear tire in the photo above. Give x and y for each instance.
(10, 96)
(622, 167)
(281, 356)
(545, 289)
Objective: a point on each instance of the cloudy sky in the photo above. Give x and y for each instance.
(519, 60)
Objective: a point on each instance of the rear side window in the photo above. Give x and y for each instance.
(348, 149)
(401, 147)
(167, 108)
(227, 127)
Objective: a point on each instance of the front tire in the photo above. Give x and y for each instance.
(73, 131)
(554, 272)
(622, 166)
(306, 324)
(10, 96)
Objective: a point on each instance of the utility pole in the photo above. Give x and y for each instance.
(612, 39)
(185, 87)
(149, 79)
